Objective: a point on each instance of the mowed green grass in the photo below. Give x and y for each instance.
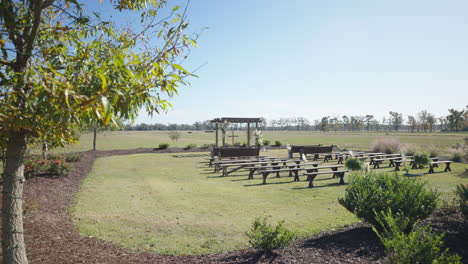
(363, 141)
(168, 205)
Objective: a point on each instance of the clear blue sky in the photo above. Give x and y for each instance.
(268, 58)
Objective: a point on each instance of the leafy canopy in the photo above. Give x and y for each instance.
(61, 67)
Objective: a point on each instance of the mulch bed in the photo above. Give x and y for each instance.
(51, 236)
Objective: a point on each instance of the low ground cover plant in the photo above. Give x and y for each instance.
(368, 194)
(420, 245)
(354, 164)
(386, 145)
(266, 142)
(421, 159)
(278, 143)
(163, 145)
(266, 237)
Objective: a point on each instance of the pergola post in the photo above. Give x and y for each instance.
(216, 126)
(248, 134)
(256, 137)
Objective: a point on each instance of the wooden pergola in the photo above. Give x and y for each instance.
(238, 120)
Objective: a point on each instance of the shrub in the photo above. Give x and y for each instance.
(266, 142)
(386, 145)
(421, 159)
(409, 149)
(462, 195)
(58, 168)
(205, 146)
(35, 167)
(420, 245)
(163, 145)
(53, 156)
(354, 164)
(265, 237)
(278, 143)
(433, 152)
(72, 157)
(457, 156)
(380, 192)
(189, 146)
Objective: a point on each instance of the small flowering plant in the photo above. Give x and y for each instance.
(35, 166)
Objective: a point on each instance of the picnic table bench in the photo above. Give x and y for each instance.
(435, 164)
(377, 162)
(253, 163)
(334, 170)
(277, 167)
(294, 170)
(398, 163)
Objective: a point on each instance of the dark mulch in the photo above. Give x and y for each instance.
(51, 236)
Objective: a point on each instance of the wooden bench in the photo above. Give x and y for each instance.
(294, 170)
(277, 166)
(336, 173)
(435, 164)
(264, 162)
(398, 163)
(377, 162)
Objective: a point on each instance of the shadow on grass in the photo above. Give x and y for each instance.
(268, 183)
(317, 187)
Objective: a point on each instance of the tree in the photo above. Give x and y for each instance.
(455, 118)
(412, 123)
(422, 116)
(368, 120)
(396, 119)
(174, 136)
(61, 68)
(431, 120)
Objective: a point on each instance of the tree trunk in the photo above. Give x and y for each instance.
(14, 250)
(44, 150)
(94, 138)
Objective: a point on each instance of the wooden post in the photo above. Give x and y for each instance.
(248, 134)
(216, 126)
(224, 137)
(256, 137)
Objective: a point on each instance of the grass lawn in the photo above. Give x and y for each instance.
(168, 205)
(151, 139)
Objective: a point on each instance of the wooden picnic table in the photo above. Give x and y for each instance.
(334, 170)
(262, 162)
(253, 169)
(295, 170)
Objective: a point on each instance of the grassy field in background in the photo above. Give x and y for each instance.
(169, 205)
(362, 141)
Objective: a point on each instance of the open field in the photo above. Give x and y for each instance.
(168, 205)
(364, 141)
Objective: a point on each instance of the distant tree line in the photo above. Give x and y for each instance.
(424, 121)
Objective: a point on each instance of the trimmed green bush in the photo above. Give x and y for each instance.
(462, 195)
(189, 146)
(163, 145)
(266, 142)
(278, 143)
(380, 192)
(72, 157)
(266, 237)
(420, 245)
(457, 156)
(354, 164)
(421, 159)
